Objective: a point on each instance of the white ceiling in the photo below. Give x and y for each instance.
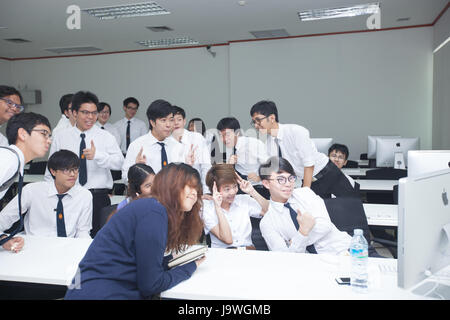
(210, 22)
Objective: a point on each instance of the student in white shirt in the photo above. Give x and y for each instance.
(97, 149)
(245, 153)
(293, 143)
(67, 118)
(192, 141)
(130, 128)
(10, 104)
(29, 138)
(305, 223)
(227, 216)
(104, 113)
(40, 202)
(158, 143)
(338, 153)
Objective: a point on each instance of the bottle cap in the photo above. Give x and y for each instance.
(357, 232)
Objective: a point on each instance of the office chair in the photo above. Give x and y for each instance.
(347, 214)
(37, 167)
(105, 213)
(384, 174)
(363, 156)
(257, 238)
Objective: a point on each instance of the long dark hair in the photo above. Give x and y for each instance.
(185, 228)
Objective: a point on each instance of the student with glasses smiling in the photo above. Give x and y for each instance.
(293, 143)
(29, 138)
(297, 219)
(40, 201)
(10, 104)
(130, 128)
(338, 154)
(97, 149)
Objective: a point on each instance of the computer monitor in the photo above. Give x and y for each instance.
(426, 161)
(372, 145)
(323, 144)
(392, 152)
(423, 242)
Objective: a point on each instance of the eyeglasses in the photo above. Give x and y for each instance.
(13, 105)
(131, 108)
(88, 113)
(45, 133)
(335, 156)
(104, 112)
(70, 171)
(282, 180)
(257, 121)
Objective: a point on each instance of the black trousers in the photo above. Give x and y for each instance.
(332, 181)
(100, 199)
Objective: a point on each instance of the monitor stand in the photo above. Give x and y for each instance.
(399, 160)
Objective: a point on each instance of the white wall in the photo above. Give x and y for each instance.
(343, 86)
(441, 85)
(192, 79)
(5, 72)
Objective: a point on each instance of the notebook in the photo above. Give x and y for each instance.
(191, 254)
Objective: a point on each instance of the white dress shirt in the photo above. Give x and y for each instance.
(238, 217)
(107, 154)
(280, 233)
(111, 129)
(9, 165)
(251, 153)
(137, 128)
(152, 151)
(202, 161)
(298, 148)
(3, 140)
(40, 200)
(63, 123)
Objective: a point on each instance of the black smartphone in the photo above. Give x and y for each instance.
(343, 280)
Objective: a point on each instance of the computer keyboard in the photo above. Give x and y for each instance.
(433, 289)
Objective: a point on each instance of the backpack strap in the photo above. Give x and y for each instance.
(10, 181)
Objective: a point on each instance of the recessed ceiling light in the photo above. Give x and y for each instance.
(167, 42)
(340, 12)
(127, 11)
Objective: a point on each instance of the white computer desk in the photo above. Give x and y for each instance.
(225, 274)
(43, 260)
(376, 185)
(261, 275)
(381, 214)
(356, 172)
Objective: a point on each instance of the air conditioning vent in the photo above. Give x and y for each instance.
(277, 33)
(73, 50)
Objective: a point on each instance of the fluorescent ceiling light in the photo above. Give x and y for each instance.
(341, 12)
(127, 11)
(167, 42)
(442, 44)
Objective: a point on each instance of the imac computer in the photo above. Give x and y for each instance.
(392, 153)
(426, 161)
(423, 263)
(323, 144)
(372, 145)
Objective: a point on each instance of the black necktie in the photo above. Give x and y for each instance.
(279, 149)
(310, 248)
(60, 225)
(83, 169)
(128, 134)
(163, 155)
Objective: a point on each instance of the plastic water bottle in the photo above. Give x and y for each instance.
(359, 251)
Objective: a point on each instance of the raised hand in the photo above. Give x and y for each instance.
(90, 153)
(140, 158)
(217, 197)
(190, 158)
(245, 185)
(233, 159)
(306, 222)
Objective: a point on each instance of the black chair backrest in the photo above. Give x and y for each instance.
(363, 156)
(104, 214)
(37, 167)
(386, 174)
(257, 238)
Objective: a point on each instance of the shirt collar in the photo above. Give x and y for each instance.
(53, 192)
(280, 133)
(21, 157)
